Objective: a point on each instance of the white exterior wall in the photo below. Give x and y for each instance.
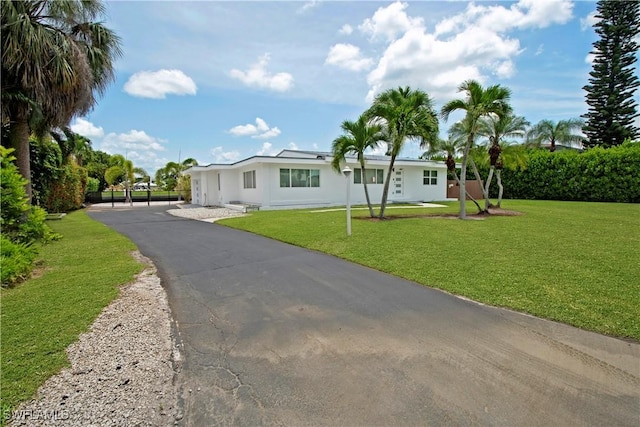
(332, 190)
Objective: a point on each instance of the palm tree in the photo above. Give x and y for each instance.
(55, 61)
(405, 114)
(122, 168)
(169, 175)
(551, 132)
(496, 129)
(359, 137)
(479, 102)
(449, 148)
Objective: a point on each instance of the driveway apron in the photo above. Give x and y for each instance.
(273, 334)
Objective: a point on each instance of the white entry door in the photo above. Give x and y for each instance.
(398, 182)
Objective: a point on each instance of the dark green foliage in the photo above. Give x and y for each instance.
(46, 160)
(21, 223)
(96, 165)
(597, 175)
(611, 88)
(16, 260)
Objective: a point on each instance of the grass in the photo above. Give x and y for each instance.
(571, 262)
(80, 275)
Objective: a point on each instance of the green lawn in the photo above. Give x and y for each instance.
(574, 262)
(80, 275)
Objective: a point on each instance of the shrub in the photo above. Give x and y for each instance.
(67, 192)
(93, 185)
(597, 175)
(16, 260)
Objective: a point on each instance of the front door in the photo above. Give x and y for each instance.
(398, 184)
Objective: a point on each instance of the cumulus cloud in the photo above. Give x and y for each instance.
(222, 156)
(258, 76)
(87, 129)
(293, 146)
(349, 57)
(159, 84)
(345, 30)
(390, 21)
(588, 21)
(470, 45)
(267, 150)
(260, 130)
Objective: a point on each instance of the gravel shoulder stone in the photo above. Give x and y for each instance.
(122, 370)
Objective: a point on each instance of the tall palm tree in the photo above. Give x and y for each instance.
(359, 136)
(496, 129)
(563, 132)
(405, 114)
(55, 61)
(450, 148)
(478, 102)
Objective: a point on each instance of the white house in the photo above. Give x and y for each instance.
(304, 179)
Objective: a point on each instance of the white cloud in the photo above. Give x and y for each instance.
(258, 76)
(134, 140)
(267, 150)
(346, 30)
(87, 129)
(589, 58)
(308, 6)
(159, 84)
(348, 56)
(136, 145)
(222, 156)
(540, 50)
(469, 45)
(589, 21)
(390, 21)
(260, 130)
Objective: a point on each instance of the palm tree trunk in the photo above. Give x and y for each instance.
(500, 188)
(487, 202)
(366, 190)
(19, 140)
(469, 195)
(485, 194)
(385, 191)
(463, 178)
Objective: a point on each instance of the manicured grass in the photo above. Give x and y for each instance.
(81, 274)
(572, 262)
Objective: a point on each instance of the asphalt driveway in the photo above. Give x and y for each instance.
(278, 335)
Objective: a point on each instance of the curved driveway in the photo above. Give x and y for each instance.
(278, 335)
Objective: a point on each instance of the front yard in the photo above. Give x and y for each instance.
(572, 262)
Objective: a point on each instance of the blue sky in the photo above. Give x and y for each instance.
(220, 81)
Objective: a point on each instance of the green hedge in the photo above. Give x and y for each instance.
(596, 175)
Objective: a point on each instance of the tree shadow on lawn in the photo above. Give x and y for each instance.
(474, 216)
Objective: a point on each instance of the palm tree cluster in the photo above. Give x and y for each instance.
(483, 136)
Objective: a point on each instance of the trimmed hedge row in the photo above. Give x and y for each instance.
(596, 175)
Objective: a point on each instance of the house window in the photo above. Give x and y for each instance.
(249, 178)
(373, 176)
(299, 177)
(430, 177)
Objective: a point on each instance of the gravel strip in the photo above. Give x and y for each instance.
(205, 214)
(122, 369)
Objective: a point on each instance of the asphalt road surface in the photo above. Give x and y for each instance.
(278, 335)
